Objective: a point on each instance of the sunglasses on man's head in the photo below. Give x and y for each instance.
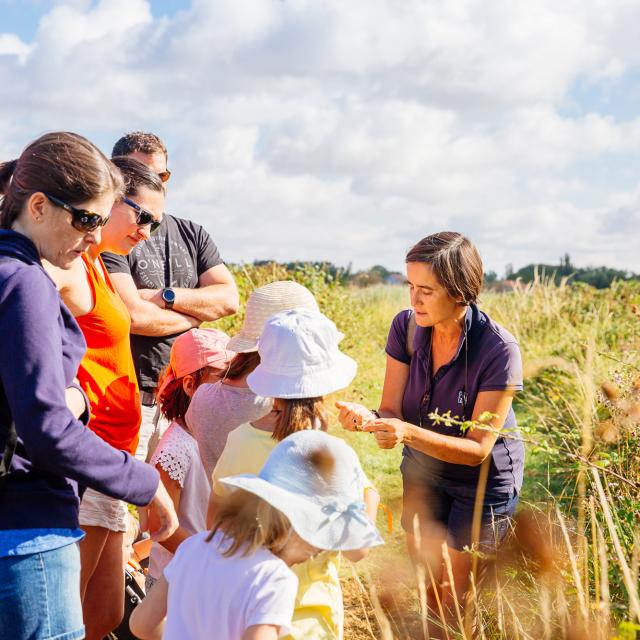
(81, 219)
(143, 217)
(164, 175)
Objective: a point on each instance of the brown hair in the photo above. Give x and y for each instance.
(242, 364)
(139, 141)
(136, 174)
(173, 400)
(250, 523)
(455, 261)
(62, 164)
(300, 414)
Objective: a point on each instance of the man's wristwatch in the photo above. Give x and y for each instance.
(169, 297)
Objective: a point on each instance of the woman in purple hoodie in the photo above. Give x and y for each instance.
(55, 199)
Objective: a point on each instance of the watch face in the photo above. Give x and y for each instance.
(169, 295)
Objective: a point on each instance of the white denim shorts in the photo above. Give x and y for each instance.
(98, 510)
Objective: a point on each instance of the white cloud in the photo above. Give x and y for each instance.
(346, 131)
(11, 45)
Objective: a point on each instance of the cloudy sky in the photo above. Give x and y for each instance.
(347, 130)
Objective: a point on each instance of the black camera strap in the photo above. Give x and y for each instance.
(7, 454)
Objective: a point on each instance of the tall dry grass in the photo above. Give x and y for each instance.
(570, 567)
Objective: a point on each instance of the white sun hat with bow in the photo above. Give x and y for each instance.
(317, 482)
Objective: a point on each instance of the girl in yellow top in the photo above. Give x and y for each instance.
(299, 364)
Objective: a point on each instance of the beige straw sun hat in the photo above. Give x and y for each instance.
(265, 302)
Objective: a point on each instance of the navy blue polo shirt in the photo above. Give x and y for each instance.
(493, 363)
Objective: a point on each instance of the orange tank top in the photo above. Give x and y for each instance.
(106, 373)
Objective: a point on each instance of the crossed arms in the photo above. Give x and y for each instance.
(215, 297)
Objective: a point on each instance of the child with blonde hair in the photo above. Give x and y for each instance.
(197, 356)
(300, 363)
(235, 583)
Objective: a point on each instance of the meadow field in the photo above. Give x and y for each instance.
(570, 568)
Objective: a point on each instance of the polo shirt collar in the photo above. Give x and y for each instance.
(472, 310)
(473, 319)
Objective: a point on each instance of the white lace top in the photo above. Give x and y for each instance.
(177, 454)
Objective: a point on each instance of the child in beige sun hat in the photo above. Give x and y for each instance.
(217, 409)
(265, 302)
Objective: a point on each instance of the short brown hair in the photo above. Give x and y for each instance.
(242, 364)
(249, 523)
(455, 262)
(139, 141)
(62, 164)
(300, 414)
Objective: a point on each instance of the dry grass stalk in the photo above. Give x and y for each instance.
(422, 579)
(577, 579)
(500, 611)
(476, 524)
(452, 586)
(605, 606)
(476, 603)
(594, 553)
(362, 590)
(586, 379)
(443, 618)
(421, 576)
(632, 590)
(635, 556)
(518, 631)
(563, 615)
(545, 609)
(383, 621)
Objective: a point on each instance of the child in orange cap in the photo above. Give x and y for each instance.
(197, 356)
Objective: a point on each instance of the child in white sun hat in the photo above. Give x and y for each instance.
(300, 363)
(217, 409)
(235, 582)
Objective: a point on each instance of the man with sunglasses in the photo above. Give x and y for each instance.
(177, 270)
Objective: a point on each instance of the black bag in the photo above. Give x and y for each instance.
(7, 454)
(9, 445)
(411, 332)
(133, 595)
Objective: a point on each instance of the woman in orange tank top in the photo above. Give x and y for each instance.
(107, 375)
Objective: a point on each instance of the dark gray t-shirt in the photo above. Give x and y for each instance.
(494, 363)
(191, 252)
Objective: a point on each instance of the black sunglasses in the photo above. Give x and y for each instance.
(143, 217)
(81, 219)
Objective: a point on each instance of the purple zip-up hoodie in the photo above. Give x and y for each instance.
(41, 346)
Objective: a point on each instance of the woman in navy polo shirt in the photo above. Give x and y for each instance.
(453, 359)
